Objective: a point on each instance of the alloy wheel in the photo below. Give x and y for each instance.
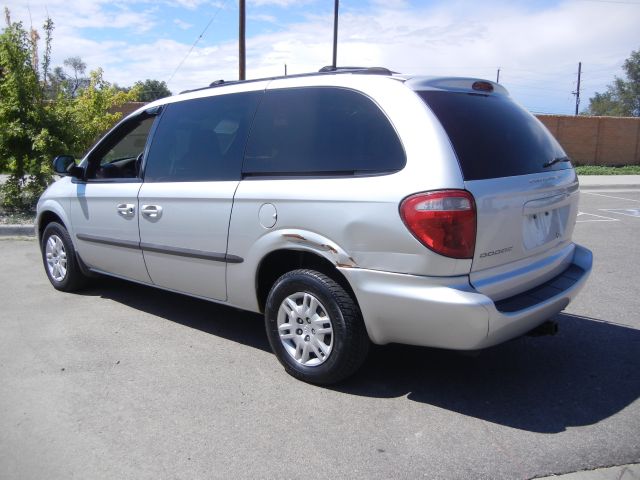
(56, 258)
(305, 329)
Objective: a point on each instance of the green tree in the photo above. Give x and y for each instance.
(68, 80)
(88, 114)
(622, 98)
(151, 90)
(37, 121)
(25, 138)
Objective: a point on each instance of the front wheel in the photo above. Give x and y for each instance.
(315, 328)
(59, 258)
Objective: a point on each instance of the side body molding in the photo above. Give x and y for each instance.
(150, 247)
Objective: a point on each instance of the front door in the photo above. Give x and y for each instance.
(104, 212)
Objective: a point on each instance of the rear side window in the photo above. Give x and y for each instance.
(321, 131)
(201, 139)
(493, 136)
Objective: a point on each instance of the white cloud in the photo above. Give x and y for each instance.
(182, 24)
(262, 18)
(536, 49)
(192, 4)
(69, 15)
(279, 3)
(390, 4)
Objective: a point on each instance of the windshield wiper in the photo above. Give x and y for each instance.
(555, 160)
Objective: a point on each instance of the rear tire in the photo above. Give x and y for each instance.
(59, 258)
(315, 327)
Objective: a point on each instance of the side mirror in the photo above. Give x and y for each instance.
(66, 165)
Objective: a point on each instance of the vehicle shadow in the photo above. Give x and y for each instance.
(587, 372)
(226, 322)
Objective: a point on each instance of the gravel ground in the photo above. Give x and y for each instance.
(16, 219)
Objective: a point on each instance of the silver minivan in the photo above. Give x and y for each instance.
(349, 206)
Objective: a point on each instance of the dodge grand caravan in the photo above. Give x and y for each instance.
(349, 206)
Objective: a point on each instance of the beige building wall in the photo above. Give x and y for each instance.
(597, 140)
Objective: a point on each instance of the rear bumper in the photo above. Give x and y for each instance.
(447, 312)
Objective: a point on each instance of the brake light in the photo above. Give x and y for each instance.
(482, 86)
(444, 221)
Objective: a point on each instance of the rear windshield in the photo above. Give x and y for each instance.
(493, 136)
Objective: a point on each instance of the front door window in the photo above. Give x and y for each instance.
(119, 156)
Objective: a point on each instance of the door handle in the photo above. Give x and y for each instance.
(126, 209)
(151, 211)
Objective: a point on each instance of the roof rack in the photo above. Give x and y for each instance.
(328, 70)
(360, 70)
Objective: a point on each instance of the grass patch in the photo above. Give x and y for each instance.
(601, 170)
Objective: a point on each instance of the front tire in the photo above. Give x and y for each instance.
(59, 258)
(315, 327)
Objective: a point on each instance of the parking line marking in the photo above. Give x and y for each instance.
(629, 212)
(611, 196)
(600, 218)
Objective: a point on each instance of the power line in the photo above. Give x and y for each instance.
(197, 40)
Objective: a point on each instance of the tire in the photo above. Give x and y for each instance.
(315, 327)
(59, 259)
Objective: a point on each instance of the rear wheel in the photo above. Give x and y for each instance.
(315, 328)
(59, 258)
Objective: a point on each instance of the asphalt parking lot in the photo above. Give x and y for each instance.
(124, 381)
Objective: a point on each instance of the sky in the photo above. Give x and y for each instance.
(536, 44)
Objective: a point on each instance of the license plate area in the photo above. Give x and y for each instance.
(544, 226)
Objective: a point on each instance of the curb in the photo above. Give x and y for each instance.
(621, 472)
(17, 231)
(611, 187)
(609, 182)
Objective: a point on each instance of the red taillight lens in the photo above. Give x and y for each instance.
(482, 86)
(444, 221)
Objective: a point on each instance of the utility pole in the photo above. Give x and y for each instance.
(335, 32)
(578, 88)
(498, 76)
(241, 44)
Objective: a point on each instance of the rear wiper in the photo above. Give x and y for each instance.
(555, 160)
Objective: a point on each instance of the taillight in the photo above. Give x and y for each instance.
(444, 221)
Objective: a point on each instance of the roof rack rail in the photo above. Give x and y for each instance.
(328, 70)
(362, 70)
